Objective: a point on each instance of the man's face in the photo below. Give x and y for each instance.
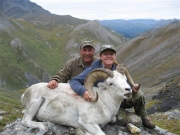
(87, 53)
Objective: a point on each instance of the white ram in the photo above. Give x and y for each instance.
(64, 107)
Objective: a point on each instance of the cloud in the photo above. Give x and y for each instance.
(114, 9)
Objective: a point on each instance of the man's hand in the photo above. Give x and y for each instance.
(136, 88)
(52, 84)
(87, 96)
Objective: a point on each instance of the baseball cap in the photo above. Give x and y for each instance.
(107, 46)
(86, 42)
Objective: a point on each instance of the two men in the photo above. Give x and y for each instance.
(77, 65)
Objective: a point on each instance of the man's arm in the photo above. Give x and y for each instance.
(61, 77)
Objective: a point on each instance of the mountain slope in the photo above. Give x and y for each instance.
(95, 31)
(30, 11)
(167, 97)
(31, 52)
(153, 58)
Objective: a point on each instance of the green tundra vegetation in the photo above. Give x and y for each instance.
(39, 44)
(11, 104)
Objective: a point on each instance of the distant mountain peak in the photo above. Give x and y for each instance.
(30, 11)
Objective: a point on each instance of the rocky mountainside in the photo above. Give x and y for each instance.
(33, 51)
(167, 98)
(95, 31)
(153, 57)
(164, 106)
(16, 128)
(30, 11)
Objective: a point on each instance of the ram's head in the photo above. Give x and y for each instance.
(113, 79)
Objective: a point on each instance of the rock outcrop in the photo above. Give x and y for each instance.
(118, 128)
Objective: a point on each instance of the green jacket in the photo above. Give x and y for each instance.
(71, 69)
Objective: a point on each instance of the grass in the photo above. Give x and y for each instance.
(162, 121)
(35, 45)
(10, 103)
(171, 125)
(151, 103)
(15, 61)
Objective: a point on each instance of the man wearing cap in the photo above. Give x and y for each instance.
(76, 65)
(108, 60)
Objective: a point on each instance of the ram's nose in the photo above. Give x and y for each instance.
(127, 89)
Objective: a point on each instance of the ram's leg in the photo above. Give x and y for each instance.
(92, 128)
(30, 114)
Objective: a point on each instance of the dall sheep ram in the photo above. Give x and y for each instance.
(63, 106)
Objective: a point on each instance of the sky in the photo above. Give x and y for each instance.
(113, 9)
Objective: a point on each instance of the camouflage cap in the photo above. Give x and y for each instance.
(86, 42)
(105, 47)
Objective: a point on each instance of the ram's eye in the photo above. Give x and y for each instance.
(110, 84)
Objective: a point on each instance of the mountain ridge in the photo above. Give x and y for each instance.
(30, 11)
(134, 27)
(153, 57)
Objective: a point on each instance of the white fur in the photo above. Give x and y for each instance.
(64, 107)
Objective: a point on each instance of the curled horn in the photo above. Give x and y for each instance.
(121, 68)
(92, 77)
